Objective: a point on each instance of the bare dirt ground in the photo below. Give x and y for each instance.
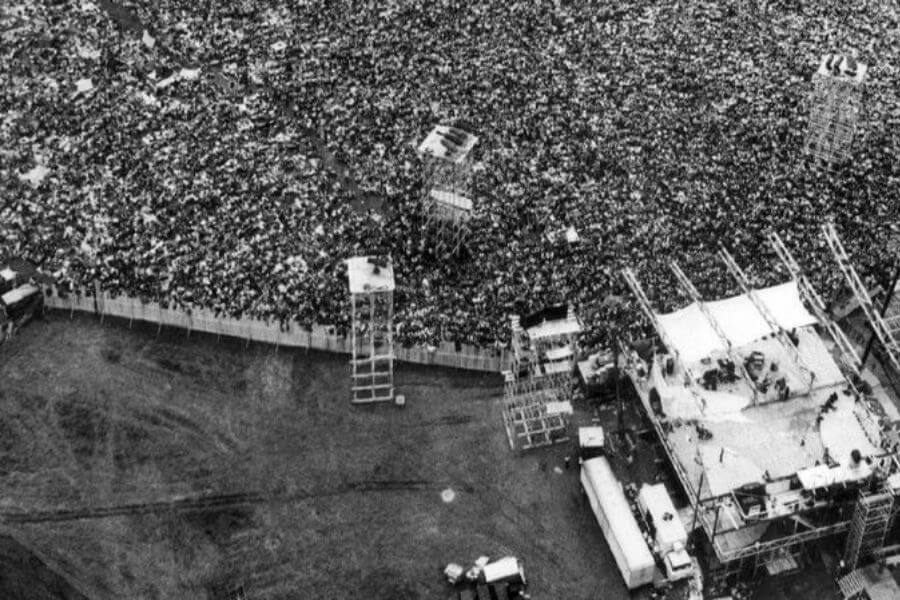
(163, 467)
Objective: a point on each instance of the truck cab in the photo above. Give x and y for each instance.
(679, 564)
(18, 306)
(668, 532)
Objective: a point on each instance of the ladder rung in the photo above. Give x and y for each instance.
(380, 386)
(372, 374)
(368, 360)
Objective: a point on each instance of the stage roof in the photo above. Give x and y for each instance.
(363, 278)
(694, 338)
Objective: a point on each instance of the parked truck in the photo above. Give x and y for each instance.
(618, 523)
(666, 529)
(17, 307)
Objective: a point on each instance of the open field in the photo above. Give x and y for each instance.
(161, 467)
(138, 465)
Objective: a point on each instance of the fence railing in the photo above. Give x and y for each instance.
(292, 334)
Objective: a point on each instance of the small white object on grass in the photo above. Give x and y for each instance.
(448, 495)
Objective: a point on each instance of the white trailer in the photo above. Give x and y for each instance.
(625, 539)
(669, 534)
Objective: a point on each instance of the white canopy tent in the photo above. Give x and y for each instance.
(694, 338)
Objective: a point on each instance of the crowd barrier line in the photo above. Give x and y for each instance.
(294, 335)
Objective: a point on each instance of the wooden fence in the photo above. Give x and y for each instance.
(319, 337)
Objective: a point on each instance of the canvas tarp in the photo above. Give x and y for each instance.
(694, 338)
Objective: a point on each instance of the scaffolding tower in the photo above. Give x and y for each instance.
(372, 326)
(535, 413)
(868, 527)
(689, 288)
(448, 190)
(884, 333)
(539, 387)
(780, 334)
(848, 354)
(835, 106)
(546, 350)
(448, 216)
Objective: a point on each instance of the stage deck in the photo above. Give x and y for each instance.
(774, 439)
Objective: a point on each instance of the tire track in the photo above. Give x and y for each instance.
(215, 502)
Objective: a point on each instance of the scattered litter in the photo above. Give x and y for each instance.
(148, 40)
(84, 85)
(164, 83)
(189, 74)
(36, 175)
(448, 496)
(319, 230)
(557, 470)
(453, 572)
(88, 52)
(279, 46)
(146, 98)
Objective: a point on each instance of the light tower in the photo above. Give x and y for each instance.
(372, 328)
(447, 194)
(835, 105)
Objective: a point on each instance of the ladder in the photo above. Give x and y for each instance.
(887, 340)
(780, 334)
(691, 291)
(868, 527)
(372, 347)
(845, 348)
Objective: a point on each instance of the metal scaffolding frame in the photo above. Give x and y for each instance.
(780, 334)
(869, 526)
(692, 292)
(835, 106)
(776, 552)
(371, 331)
(447, 194)
(808, 292)
(883, 333)
(448, 215)
(644, 302)
(539, 388)
(527, 417)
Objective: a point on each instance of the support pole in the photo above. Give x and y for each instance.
(715, 527)
(887, 302)
(698, 506)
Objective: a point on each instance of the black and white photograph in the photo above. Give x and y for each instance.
(449, 300)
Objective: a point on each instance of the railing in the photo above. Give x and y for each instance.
(292, 334)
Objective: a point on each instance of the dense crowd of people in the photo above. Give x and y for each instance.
(213, 153)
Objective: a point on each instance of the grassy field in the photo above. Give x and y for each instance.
(109, 437)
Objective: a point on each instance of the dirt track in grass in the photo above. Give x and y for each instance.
(166, 467)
